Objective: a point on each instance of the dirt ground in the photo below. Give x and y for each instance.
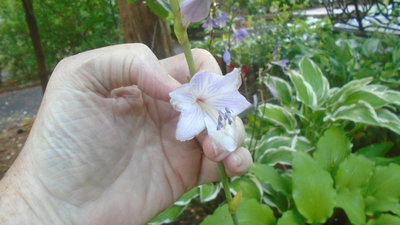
(12, 140)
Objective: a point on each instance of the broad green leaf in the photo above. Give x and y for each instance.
(290, 218)
(361, 112)
(313, 75)
(276, 142)
(385, 219)
(313, 190)
(337, 96)
(385, 161)
(376, 100)
(132, 1)
(375, 150)
(302, 144)
(354, 173)
(274, 156)
(249, 212)
(208, 192)
(249, 187)
(304, 91)
(169, 215)
(389, 120)
(275, 199)
(353, 204)
(188, 196)
(281, 88)
(385, 184)
(159, 7)
(392, 97)
(374, 205)
(332, 148)
(279, 116)
(269, 175)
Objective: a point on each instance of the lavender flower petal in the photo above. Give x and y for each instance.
(195, 10)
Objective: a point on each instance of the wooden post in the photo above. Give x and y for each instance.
(141, 25)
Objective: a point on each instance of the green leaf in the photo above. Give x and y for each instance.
(188, 196)
(279, 116)
(169, 215)
(313, 75)
(368, 96)
(353, 204)
(304, 91)
(270, 175)
(281, 87)
(274, 156)
(392, 97)
(300, 143)
(209, 192)
(132, 1)
(354, 173)
(290, 218)
(249, 187)
(313, 190)
(389, 120)
(375, 150)
(249, 212)
(159, 7)
(376, 205)
(385, 219)
(332, 148)
(385, 184)
(361, 112)
(337, 96)
(267, 144)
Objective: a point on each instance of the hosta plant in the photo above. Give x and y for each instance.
(304, 158)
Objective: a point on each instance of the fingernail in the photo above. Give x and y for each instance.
(237, 161)
(219, 153)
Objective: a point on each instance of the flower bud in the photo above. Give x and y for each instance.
(195, 10)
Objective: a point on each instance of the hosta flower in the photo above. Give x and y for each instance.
(227, 57)
(210, 101)
(240, 34)
(195, 10)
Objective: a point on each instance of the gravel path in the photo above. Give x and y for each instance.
(19, 104)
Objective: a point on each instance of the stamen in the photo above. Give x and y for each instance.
(224, 117)
(219, 125)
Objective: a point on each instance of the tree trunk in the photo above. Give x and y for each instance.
(37, 44)
(141, 25)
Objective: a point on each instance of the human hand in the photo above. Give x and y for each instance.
(103, 148)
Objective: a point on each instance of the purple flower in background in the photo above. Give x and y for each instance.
(210, 23)
(210, 101)
(240, 35)
(227, 57)
(222, 20)
(283, 63)
(195, 10)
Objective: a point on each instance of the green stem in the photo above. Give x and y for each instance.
(181, 34)
(225, 184)
(188, 54)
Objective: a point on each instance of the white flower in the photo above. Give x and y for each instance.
(210, 101)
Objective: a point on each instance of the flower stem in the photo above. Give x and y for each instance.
(225, 184)
(181, 34)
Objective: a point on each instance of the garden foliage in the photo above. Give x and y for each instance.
(66, 28)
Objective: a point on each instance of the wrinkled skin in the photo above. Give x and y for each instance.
(103, 150)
